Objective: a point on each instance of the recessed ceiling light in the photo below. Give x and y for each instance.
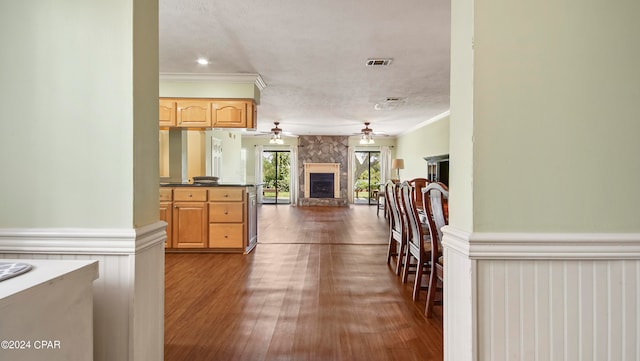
(203, 61)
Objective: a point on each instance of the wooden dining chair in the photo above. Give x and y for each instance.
(418, 184)
(397, 231)
(435, 196)
(418, 247)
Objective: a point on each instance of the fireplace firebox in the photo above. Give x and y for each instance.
(321, 185)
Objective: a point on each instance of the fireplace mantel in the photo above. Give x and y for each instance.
(333, 168)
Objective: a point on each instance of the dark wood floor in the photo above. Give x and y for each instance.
(315, 288)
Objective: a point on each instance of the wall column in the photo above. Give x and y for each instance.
(79, 155)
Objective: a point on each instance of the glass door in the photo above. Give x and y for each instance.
(275, 176)
(366, 177)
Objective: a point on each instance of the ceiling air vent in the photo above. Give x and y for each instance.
(389, 103)
(379, 62)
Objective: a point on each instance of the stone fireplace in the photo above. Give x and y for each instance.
(328, 158)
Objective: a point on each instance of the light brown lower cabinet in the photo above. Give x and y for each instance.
(210, 219)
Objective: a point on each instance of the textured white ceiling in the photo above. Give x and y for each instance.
(312, 54)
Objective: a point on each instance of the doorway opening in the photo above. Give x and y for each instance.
(276, 170)
(366, 177)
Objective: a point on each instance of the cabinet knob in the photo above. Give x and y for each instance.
(226, 194)
(190, 195)
(225, 236)
(226, 211)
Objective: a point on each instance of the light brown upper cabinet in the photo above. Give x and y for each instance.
(167, 113)
(230, 113)
(208, 113)
(193, 113)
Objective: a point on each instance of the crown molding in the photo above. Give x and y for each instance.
(426, 122)
(243, 78)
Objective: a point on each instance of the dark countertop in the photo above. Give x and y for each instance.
(204, 185)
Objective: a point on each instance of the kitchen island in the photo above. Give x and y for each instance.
(220, 218)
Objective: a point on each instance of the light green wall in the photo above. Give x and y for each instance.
(249, 144)
(556, 116)
(67, 126)
(379, 142)
(208, 89)
(429, 140)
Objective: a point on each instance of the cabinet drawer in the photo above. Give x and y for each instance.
(226, 194)
(225, 212)
(189, 194)
(225, 235)
(166, 194)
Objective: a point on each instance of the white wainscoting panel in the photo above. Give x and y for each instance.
(573, 298)
(558, 309)
(128, 296)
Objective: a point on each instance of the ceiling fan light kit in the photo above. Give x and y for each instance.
(276, 135)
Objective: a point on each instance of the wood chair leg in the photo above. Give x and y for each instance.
(401, 259)
(431, 293)
(407, 264)
(390, 250)
(418, 281)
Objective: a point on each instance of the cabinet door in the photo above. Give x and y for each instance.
(229, 114)
(193, 113)
(167, 113)
(166, 213)
(190, 225)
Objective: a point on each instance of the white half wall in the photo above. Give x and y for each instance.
(128, 296)
(542, 296)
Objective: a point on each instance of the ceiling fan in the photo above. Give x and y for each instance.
(276, 134)
(367, 134)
